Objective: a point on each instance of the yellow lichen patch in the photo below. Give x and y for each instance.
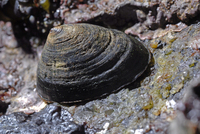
(166, 87)
(146, 101)
(162, 85)
(172, 40)
(45, 5)
(154, 45)
(159, 104)
(149, 105)
(155, 93)
(192, 65)
(176, 88)
(168, 50)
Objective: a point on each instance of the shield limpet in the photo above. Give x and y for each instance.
(83, 61)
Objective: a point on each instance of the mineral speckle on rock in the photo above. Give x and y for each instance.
(154, 102)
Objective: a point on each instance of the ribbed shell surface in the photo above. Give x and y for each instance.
(82, 61)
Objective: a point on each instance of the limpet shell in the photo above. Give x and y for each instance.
(82, 62)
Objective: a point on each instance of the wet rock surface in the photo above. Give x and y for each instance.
(176, 62)
(147, 106)
(51, 120)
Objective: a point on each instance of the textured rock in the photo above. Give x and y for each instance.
(149, 105)
(152, 14)
(52, 119)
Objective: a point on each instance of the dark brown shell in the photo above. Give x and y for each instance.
(82, 61)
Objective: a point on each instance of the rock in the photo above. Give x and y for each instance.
(52, 119)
